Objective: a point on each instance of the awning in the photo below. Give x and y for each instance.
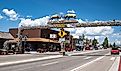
(6, 35)
(39, 40)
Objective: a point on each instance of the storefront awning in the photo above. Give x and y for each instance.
(39, 40)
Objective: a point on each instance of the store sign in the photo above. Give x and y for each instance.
(58, 25)
(53, 36)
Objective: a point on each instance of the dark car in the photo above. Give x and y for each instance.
(87, 48)
(115, 51)
(3, 52)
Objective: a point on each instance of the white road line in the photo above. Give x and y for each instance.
(30, 60)
(112, 58)
(84, 65)
(50, 63)
(88, 57)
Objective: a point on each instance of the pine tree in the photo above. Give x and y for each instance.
(105, 43)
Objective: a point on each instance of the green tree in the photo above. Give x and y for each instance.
(114, 44)
(94, 42)
(105, 43)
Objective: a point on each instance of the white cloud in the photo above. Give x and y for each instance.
(36, 22)
(81, 21)
(116, 35)
(117, 41)
(70, 11)
(71, 30)
(28, 16)
(75, 36)
(1, 17)
(94, 30)
(11, 14)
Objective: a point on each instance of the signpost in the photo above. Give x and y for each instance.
(62, 33)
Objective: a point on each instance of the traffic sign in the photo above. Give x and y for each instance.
(62, 33)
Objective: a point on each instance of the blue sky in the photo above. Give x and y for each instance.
(85, 9)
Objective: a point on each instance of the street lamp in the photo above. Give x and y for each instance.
(25, 38)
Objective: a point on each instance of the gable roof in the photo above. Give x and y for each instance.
(6, 35)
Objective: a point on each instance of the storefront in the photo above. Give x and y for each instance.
(4, 36)
(41, 45)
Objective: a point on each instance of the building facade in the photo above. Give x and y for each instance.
(39, 39)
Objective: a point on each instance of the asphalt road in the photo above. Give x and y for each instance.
(96, 61)
(8, 58)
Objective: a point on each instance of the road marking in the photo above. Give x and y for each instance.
(112, 58)
(88, 57)
(84, 65)
(30, 60)
(50, 63)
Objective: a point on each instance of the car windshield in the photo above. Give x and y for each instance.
(114, 48)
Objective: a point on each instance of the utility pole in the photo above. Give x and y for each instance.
(20, 48)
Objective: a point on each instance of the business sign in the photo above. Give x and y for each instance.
(53, 36)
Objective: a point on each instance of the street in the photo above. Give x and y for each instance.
(95, 61)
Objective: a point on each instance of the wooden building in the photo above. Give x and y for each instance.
(39, 38)
(4, 36)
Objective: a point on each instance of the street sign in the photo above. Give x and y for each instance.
(62, 33)
(61, 39)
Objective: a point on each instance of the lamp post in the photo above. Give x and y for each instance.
(25, 38)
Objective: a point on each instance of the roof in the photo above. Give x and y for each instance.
(6, 35)
(39, 40)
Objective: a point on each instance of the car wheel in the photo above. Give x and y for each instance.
(4, 53)
(111, 53)
(118, 53)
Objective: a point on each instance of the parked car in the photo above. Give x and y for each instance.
(3, 52)
(87, 48)
(11, 51)
(100, 47)
(115, 51)
(95, 47)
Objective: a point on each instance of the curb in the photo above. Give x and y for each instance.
(29, 60)
(119, 69)
(84, 52)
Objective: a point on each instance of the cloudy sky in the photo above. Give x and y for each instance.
(14, 13)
